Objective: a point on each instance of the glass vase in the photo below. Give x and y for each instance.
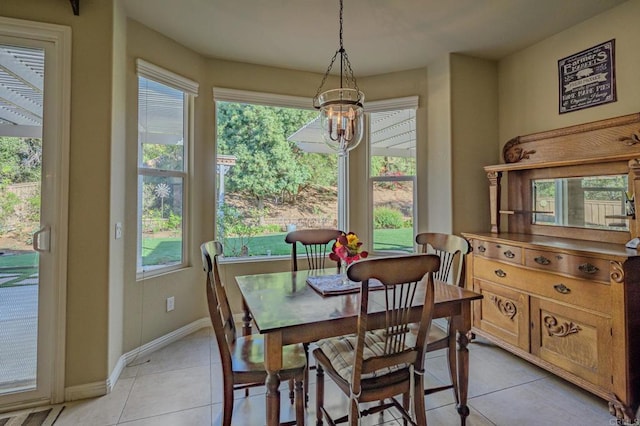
(343, 272)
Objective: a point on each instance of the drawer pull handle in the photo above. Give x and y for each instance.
(500, 273)
(498, 246)
(482, 249)
(541, 260)
(509, 254)
(588, 268)
(561, 288)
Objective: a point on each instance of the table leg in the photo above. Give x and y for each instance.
(246, 328)
(246, 320)
(273, 365)
(463, 326)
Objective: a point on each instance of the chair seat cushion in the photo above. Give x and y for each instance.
(340, 352)
(247, 355)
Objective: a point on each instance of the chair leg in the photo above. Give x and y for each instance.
(406, 404)
(418, 401)
(354, 413)
(292, 386)
(452, 358)
(306, 375)
(319, 394)
(299, 401)
(227, 405)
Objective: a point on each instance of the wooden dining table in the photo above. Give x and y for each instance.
(286, 310)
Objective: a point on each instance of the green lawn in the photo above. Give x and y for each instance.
(162, 251)
(157, 251)
(21, 265)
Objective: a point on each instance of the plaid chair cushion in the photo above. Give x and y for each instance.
(340, 351)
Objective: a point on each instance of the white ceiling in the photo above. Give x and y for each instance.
(379, 35)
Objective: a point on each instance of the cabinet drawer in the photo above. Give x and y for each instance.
(587, 294)
(578, 266)
(498, 251)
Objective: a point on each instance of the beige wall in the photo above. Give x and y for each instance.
(438, 157)
(528, 80)
(118, 156)
(145, 316)
(474, 131)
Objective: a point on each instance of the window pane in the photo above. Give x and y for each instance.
(393, 143)
(392, 169)
(393, 216)
(269, 182)
(161, 221)
(160, 125)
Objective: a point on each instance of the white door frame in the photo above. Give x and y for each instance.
(55, 181)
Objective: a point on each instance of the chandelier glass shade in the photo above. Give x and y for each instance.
(341, 118)
(342, 109)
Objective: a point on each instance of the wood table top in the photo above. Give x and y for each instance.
(284, 300)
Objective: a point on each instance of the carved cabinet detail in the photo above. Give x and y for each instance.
(503, 312)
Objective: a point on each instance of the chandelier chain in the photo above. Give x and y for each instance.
(341, 46)
(349, 78)
(326, 74)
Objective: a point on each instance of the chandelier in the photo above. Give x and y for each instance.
(341, 110)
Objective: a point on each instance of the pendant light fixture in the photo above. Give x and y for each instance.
(341, 110)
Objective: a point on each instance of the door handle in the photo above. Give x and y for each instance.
(41, 239)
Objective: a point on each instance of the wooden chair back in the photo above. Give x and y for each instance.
(219, 309)
(451, 249)
(405, 279)
(317, 245)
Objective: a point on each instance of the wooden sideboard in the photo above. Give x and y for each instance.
(565, 298)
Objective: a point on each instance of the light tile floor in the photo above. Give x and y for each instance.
(180, 384)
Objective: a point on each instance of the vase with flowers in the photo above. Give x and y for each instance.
(346, 250)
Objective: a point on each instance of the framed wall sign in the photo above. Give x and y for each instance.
(587, 78)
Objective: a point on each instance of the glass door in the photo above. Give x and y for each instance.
(31, 211)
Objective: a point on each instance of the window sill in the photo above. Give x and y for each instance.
(252, 259)
(154, 273)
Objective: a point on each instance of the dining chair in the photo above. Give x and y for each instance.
(243, 357)
(452, 250)
(316, 243)
(380, 364)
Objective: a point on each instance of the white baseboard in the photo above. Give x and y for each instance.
(88, 390)
(91, 390)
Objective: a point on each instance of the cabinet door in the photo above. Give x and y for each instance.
(575, 340)
(502, 312)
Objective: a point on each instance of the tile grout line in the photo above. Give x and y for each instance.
(470, 400)
(162, 414)
(135, 377)
(508, 387)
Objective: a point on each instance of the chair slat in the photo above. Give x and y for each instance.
(380, 364)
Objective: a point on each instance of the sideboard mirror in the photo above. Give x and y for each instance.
(576, 182)
(596, 202)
